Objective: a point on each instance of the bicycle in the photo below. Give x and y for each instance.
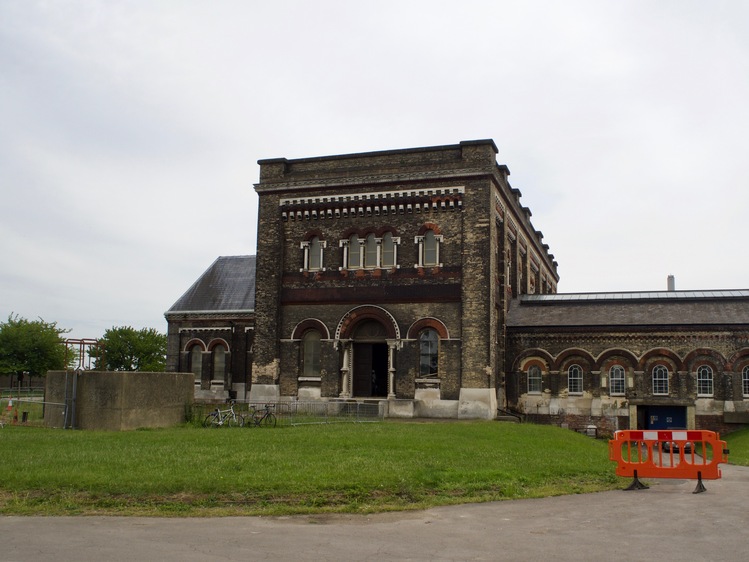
(220, 418)
(261, 418)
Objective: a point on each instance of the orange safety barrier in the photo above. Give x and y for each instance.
(668, 454)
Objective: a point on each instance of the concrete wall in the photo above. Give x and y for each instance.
(116, 401)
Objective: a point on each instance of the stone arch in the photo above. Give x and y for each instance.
(738, 360)
(705, 356)
(431, 322)
(380, 232)
(608, 355)
(194, 342)
(312, 233)
(218, 341)
(429, 226)
(349, 321)
(531, 354)
(360, 232)
(310, 324)
(660, 354)
(574, 353)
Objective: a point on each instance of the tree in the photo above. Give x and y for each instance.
(126, 349)
(33, 347)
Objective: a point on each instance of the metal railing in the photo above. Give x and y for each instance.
(33, 411)
(305, 413)
(292, 413)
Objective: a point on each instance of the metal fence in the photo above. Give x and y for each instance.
(32, 411)
(302, 413)
(291, 413)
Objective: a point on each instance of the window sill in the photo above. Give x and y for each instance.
(309, 379)
(424, 383)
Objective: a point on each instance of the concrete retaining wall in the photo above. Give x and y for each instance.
(118, 401)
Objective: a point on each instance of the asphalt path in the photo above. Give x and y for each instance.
(665, 522)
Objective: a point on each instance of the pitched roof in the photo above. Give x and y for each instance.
(660, 308)
(228, 285)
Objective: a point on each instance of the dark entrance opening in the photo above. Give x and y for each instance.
(370, 370)
(661, 417)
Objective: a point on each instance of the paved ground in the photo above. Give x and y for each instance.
(666, 522)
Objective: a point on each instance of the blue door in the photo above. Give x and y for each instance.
(665, 417)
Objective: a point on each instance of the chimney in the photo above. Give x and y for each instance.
(671, 283)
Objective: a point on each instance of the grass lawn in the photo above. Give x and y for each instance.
(738, 445)
(190, 471)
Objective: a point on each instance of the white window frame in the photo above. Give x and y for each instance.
(311, 353)
(362, 252)
(396, 241)
(196, 363)
(575, 375)
(705, 381)
(218, 363)
(307, 247)
(420, 242)
(617, 378)
(535, 380)
(377, 242)
(432, 347)
(661, 382)
(745, 381)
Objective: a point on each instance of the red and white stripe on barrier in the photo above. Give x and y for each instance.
(666, 435)
(640, 453)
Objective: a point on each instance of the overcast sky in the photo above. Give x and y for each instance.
(130, 132)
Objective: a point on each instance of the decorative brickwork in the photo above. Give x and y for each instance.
(378, 247)
(416, 275)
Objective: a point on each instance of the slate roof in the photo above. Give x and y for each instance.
(228, 285)
(660, 308)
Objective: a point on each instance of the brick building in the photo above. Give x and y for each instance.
(652, 360)
(415, 278)
(210, 329)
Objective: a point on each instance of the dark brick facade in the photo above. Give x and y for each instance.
(684, 334)
(459, 195)
(415, 277)
(234, 333)
(211, 327)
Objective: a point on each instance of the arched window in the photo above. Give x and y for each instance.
(370, 251)
(705, 381)
(354, 258)
(534, 379)
(431, 250)
(575, 379)
(196, 362)
(660, 379)
(315, 253)
(388, 250)
(745, 380)
(311, 343)
(616, 380)
(428, 353)
(219, 362)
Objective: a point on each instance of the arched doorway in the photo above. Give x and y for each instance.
(370, 360)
